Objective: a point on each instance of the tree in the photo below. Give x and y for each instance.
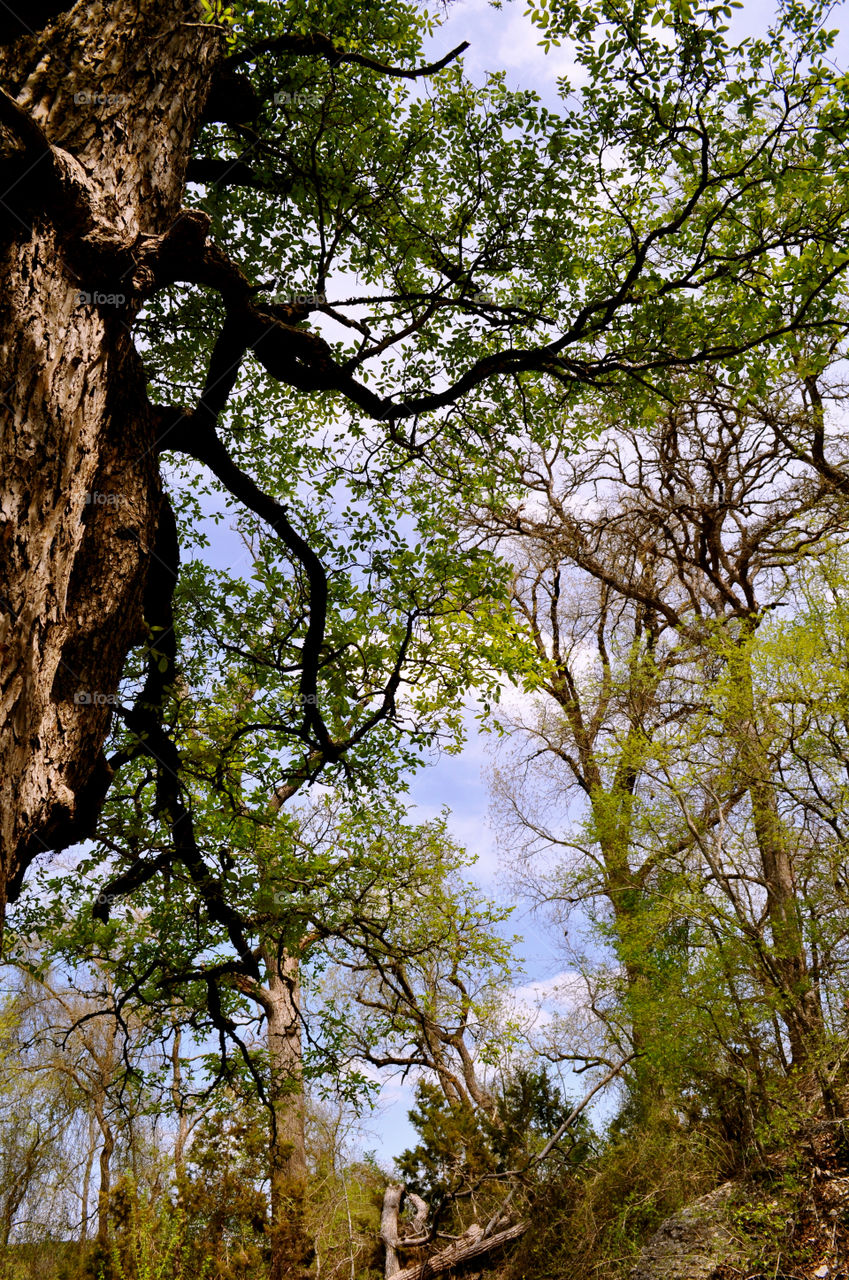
(86, 1043)
(645, 567)
(71, 1116)
(461, 1150)
(319, 893)
(799, 673)
(223, 1191)
(602, 669)
(296, 115)
(36, 1165)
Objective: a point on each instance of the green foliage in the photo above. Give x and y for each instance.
(596, 1223)
(481, 277)
(375, 908)
(466, 1155)
(147, 1244)
(222, 1196)
(344, 1202)
(454, 1149)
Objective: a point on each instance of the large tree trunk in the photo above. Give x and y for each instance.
(289, 1246)
(96, 121)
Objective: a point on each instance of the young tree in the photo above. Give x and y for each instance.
(85, 1041)
(644, 245)
(37, 1114)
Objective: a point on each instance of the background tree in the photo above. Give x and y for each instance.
(36, 1163)
(332, 891)
(644, 569)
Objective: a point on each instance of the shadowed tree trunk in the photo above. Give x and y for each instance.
(280, 999)
(181, 1137)
(105, 1188)
(288, 1155)
(97, 115)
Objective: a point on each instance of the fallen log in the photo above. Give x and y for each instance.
(471, 1245)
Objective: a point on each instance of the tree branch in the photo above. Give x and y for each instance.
(317, 45)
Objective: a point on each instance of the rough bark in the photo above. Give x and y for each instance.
(279, 999)
(392, 1198)
(98, 115)
(105, 1188)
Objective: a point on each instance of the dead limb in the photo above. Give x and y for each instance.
(471, 1244)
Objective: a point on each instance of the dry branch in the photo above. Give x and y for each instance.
(471, 1245)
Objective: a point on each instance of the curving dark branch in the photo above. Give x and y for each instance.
(144, 720)
(197, 437)
(316, 45)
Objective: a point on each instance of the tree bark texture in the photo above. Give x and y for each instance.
(97, 115)
(105, 1189)
(392, 1198)
(281, 1001)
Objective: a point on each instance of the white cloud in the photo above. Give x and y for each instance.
(544, 1001)
(505, 39)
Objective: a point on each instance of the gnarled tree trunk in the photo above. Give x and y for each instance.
(474, 1242)
(97, 115)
